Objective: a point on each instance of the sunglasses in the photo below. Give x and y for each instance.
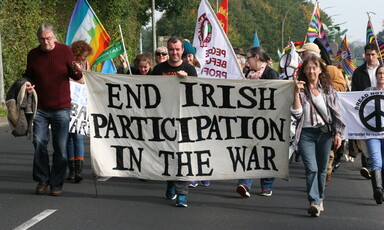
(250, 57)
(161, 53)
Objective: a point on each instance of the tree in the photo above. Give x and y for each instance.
(19, 33)
(380, 35)
(183, 27)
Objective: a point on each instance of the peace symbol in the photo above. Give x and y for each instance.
(344, 54)
(377, 114)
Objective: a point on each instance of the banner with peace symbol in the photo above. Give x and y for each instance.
(363, 114)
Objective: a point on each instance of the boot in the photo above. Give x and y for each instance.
(382, 180)
(377, 186)
(78, 171)
(71, 166)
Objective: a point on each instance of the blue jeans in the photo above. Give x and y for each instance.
(75, 147)
(265, 183)
(376, 153)
(315, 148)
(59, 121)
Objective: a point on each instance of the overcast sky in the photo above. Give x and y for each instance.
(354, 14)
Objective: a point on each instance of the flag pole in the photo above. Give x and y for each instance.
(125, 51)
(377, 43)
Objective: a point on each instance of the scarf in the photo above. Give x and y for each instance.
(256, 74)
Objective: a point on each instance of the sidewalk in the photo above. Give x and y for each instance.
(3, 121)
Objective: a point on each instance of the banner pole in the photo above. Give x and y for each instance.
(373, 31)
(125, 51)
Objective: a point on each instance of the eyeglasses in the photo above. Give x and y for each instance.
(161, 53)
(46, 39)
(250, 57)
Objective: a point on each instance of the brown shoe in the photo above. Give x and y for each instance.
(56, 192)
(41, 188)
(328, 179)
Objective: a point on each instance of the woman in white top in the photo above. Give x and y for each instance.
(316, 108)
(376, 148)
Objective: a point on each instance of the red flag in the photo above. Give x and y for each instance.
(222, 15)
(298, 45)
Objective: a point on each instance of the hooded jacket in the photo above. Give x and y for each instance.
(22, 107)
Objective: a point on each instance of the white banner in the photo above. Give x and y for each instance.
(213, 49)
(170, 128)
(79, 122)
(362, 113)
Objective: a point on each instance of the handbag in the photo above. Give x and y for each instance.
(326, 128)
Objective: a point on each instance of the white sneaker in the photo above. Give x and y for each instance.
(243, 191)
(321, 206)
(314, 210)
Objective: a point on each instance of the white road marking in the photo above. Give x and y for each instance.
(36, 219)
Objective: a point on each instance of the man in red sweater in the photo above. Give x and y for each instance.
(49, 67)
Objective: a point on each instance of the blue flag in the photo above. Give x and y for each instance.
(108, 67)
(279, 53)
(256, 40)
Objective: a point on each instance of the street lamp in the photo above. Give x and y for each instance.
(285, 17)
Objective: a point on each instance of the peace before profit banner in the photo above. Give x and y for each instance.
(169, 128)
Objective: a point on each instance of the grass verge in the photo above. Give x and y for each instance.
(3, 112)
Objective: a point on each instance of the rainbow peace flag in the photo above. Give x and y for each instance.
(371, 38)
(381, 48)
(316, 29)
(344, 56)
(85, 25)
(315, 24)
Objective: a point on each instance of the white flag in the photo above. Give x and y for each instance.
(362, 114)
(213, 49)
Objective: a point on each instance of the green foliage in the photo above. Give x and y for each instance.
(131, 15)
(182, 26)
(3, 112)
(18, 31)
(176, 8)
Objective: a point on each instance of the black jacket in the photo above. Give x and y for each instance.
(360, 78)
